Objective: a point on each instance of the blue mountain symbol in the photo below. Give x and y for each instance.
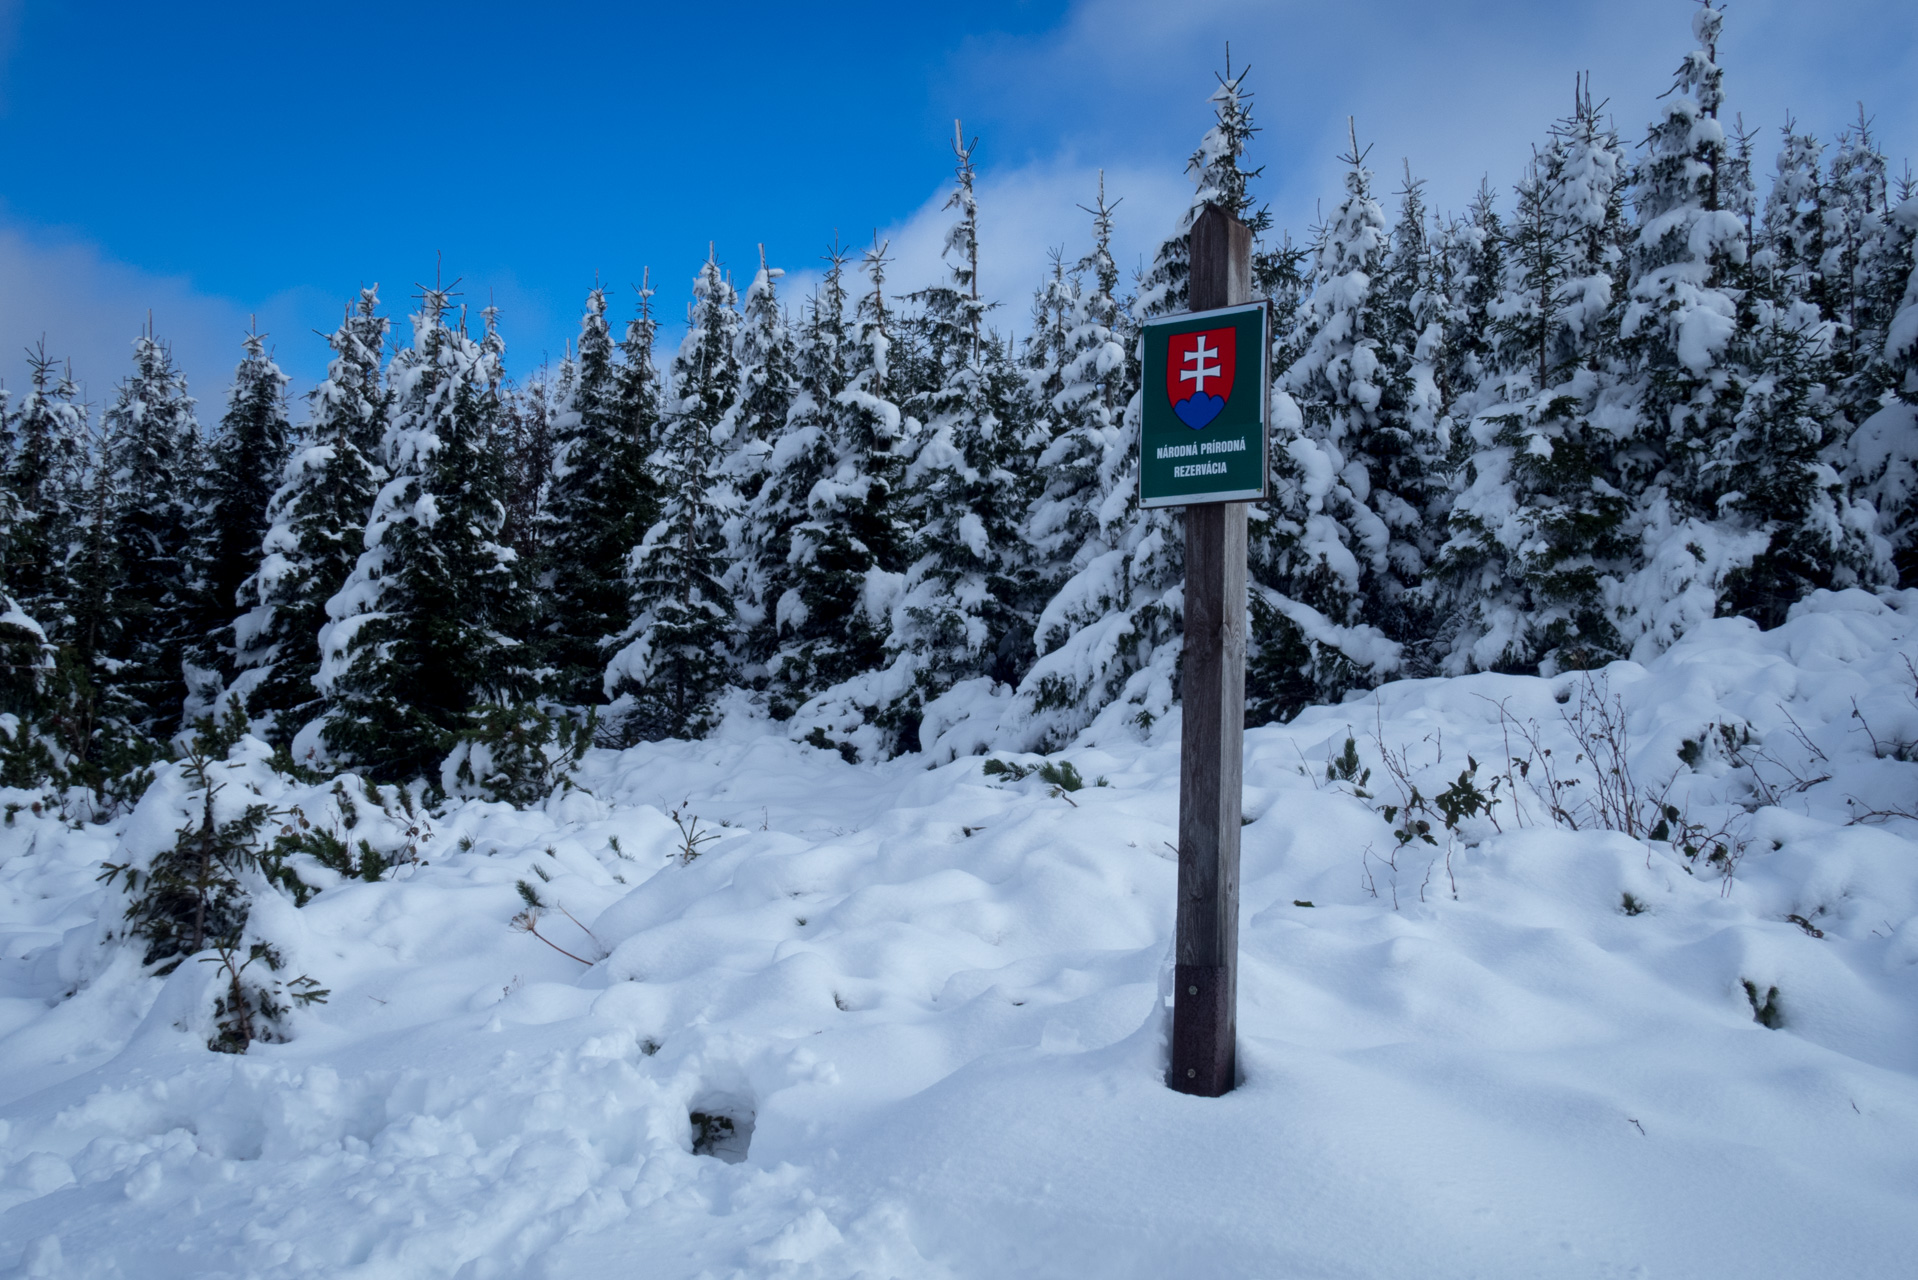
(1198, 409)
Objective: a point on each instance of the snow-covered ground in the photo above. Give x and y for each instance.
(1521, 1050)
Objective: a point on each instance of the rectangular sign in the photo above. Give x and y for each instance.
(1205, 392)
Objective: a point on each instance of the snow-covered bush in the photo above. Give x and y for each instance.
(197, 895)
(517, 754)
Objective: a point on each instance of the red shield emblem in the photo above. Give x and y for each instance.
(1198, 374)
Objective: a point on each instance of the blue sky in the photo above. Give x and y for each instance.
(214, 161)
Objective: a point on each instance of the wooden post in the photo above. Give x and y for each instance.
(1212, 748)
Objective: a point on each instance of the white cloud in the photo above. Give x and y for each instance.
(1460, 90)
(89, 308)
(1027, 211)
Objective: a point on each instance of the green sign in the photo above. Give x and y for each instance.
(1202, 435)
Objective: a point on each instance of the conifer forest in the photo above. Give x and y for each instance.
(1664, 386)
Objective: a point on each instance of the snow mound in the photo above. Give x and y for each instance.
(929, 1003)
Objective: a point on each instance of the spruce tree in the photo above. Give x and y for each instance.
(1539, 534)
(316, 528)
(1860, 297)
(1468, 261)
(45, 442)
(849, 554)
(1742, 512)
(1084, 400)
(30, 755)
(798, 590)
(1789, 256)
(196, 898)
(1680, 317)
(755, 435)
(529, 419)
(1221, 180)
(1413, 307)
(45, 685)
(423, 633)
(97, 720)
(1109, 638)
(1339, 562)
(151, 459)
(534, 414)
(675, 657)
(638, 393)
(959, 616)
(242, 471)
(1778, 482)
(1086, 521)
(1043, 350)
(587, 515)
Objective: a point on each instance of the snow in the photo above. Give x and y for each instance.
(938, 998)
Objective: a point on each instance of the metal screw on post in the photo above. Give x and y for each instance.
(1204, 1013)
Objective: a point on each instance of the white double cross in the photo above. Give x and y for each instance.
(1198, 356)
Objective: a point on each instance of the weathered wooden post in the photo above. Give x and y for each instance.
(1214, 366)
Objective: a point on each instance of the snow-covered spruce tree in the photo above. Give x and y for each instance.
(1468, 262)
(1775, 469)
(40, 467)
(1043, 350)
(587, 516)
(1539, 531)
(848, 552)
(94, 721)
(1221, 180)
(1871, 229)
(1109, 639)
(752, 435)
(45, 440)
(1414, 307)
(1680, 317)
(424, 631)
(533, 417)
(151, 458)
(1084, 408)
(787, 565)
(1281, 274)
(804, 456)
(1788, 255)
(316, 528)
(529, 421)
(1811, 348)
(675, 656)
(30, 755)
(242, 470)
(1338, 563)
(638, 395)
(1862, 282)
(1085, 525)
(958, 618)
(199, 897)
(1741, 512)
(1045, 356)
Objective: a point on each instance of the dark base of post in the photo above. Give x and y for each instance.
(1203, 1061)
